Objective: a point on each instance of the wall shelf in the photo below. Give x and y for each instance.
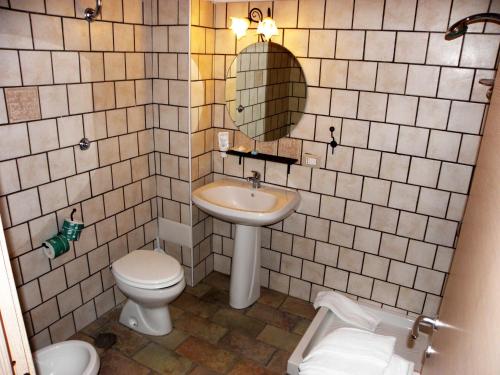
(273, 158)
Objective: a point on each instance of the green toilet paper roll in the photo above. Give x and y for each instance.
(56, 246)
(72, 229)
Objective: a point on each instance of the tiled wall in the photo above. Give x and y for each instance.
(62, 79)
(378, 219)
(171, 118)
(202, 43)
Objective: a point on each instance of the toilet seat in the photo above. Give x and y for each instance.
(148, 269)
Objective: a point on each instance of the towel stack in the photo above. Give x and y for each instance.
(353, 351)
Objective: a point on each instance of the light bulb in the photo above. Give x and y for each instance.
(267, 27)
(239, 26)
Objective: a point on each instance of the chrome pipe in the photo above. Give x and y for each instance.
(91, 14)
(459, 28)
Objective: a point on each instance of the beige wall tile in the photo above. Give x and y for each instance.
(92, 66)
(123, 37)
(16, 25)
(101, 36)
(339, 13)
(70, 130)
(104, 95)
(47, 32)
(350, 45)
(422, 80)
(13, 141)
(399, 14)
(411, 47)
(114, 66)
(76, 34)
(53, 101)
(53, 196)
(368, 14)
(311, 13)
(432, 15)
(80, 98)
(22, 103)
(61, 7)
(65, 67)
(43, 135)
(380, 45)
(9, 65)
(33, 170)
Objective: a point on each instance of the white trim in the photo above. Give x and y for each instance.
(13, 323)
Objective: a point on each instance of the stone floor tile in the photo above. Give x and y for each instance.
(163, 360)
(199, 370)
(301, 327)
(248, 347)
(279, 362)
(217, 280)
(272, 316)
(127, 341)
(217, 297)
(271, 297)
(279, 338)
(113, 363)
(198, 290)
(188, 302)
(298, 307)
(246, 367)
(207, 355)
(170, 341)
(95, 327)
(201, 328)
(233, 319)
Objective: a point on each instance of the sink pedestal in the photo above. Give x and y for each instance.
(245, 267)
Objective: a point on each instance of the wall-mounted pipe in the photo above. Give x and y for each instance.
(459, 28)
(91, 14)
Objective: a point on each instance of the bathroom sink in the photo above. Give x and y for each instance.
(249, 208)
(240, 203)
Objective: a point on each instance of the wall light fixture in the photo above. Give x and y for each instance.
(266, 28)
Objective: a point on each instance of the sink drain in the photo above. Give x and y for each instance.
(105, 340)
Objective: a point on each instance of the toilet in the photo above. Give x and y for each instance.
(72, 357)
(150, 280)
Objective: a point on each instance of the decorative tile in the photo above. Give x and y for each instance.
(22, 104)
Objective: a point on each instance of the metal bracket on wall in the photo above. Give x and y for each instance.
(333, 143)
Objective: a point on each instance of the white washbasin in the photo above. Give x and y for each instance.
(240, 203)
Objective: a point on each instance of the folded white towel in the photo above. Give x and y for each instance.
(399, 366)
(347, 310)
(349, 351)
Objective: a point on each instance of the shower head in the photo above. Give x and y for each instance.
(460, 28)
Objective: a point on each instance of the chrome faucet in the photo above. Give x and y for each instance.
(422, 319)
(255, 179)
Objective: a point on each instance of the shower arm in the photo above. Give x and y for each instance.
(91, 14)
(459, 28)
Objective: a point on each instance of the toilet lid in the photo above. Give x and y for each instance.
(148, 269)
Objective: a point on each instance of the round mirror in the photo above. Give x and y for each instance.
(265, 91)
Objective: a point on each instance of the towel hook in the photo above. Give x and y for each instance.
(333, 143)
(91, 14)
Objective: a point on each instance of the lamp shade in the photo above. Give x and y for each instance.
(267, 27)
(239, 26)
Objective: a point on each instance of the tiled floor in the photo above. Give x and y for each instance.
(209, 337)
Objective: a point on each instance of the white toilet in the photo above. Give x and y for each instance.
(150, 280)
(72, 357)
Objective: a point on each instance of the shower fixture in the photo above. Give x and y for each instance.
(91, 14)
(460, 28)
